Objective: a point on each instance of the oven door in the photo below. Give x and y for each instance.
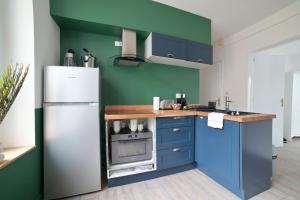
(128, 148)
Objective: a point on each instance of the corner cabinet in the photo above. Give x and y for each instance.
(164, 49)
(239, 156)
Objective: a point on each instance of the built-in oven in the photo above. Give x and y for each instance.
(131, 147)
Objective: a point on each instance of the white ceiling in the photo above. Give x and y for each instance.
(229, 16)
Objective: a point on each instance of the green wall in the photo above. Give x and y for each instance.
(121, 85)
(22, 180)
(128, 84)
(142, 15)
(93, 24)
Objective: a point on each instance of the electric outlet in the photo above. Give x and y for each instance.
(118, 43)
(178, 95)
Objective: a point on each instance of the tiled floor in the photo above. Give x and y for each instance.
(194, 185)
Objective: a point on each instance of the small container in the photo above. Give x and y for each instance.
(156, 103)
(140, 127)
(69, 59)
(133, 125)
(117, 126)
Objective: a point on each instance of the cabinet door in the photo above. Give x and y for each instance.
(169, 158)
(175, 122)
(168, 46)
(217, 151)
(198, 52)
(173, 137)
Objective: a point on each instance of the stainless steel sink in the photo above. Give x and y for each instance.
(235, 113)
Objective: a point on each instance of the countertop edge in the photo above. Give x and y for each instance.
(161, 114)
(13, 154)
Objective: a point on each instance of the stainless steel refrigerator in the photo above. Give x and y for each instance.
(71, 131)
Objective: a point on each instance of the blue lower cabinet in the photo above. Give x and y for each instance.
(217, 152)
(232, 155)
(169, 158)
(256, 157)
(175, 141)
(174, 137)
(175, 122)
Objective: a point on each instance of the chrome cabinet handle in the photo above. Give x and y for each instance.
(176, 150)
(201, 117)
(170, 55)
(200, 60)
(179, 117)
(176, 129)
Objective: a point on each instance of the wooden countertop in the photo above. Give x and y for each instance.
(12, 154)
(145, 111)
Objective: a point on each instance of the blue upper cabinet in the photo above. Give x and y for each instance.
(164, 49)
(199, 53)
(168, 46)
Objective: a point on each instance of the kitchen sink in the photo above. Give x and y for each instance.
(235, 113)
(230, 112)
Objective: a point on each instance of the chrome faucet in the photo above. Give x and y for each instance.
(227, 102)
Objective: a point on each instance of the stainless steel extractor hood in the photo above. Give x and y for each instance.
(129, 56)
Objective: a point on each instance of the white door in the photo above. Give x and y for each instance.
(210, 84)
(71, 149)
(296, 107)
(268, 90)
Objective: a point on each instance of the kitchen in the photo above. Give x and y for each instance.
(135, 60)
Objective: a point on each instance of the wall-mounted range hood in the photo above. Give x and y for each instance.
(129, 56)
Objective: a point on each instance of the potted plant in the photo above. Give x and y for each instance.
(11, 82)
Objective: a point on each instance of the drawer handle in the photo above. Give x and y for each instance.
(176, 150)
(170, 55)
(179, 117)
(200, 60)
(176, 129)
(201, 117)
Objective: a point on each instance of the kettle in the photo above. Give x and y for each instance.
(88, 60)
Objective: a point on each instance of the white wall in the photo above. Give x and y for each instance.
(18, 128)
(293, 63)
(211, 78)
(47, 44)
(1, 37)
(296, 105)
(28, 34)
(280, 27)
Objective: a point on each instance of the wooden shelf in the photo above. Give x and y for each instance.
(12, 154)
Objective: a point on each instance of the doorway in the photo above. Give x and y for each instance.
(274, 81)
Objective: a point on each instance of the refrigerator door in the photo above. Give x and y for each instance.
(71, 149)
(71, 84)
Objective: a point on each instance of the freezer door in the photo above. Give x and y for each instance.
(71, 84)
(71, 150)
